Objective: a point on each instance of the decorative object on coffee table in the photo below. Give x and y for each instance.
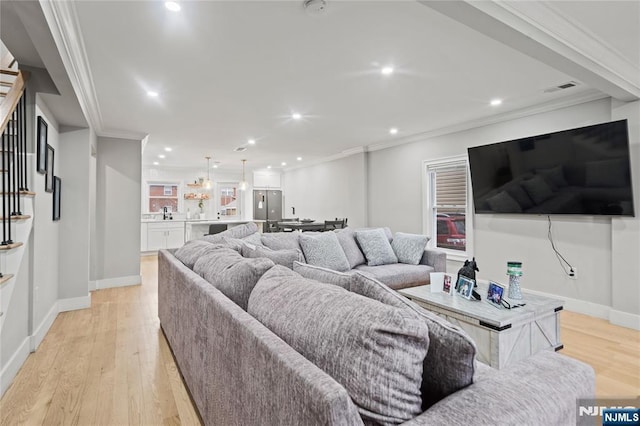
(514, 271)
(469, 270)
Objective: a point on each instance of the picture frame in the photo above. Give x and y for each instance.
(41, 149)
(464, 286)
(48, 181)
(495, 293)
(447, 284)
(57, 197)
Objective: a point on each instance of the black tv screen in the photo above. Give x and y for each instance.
(579, 171)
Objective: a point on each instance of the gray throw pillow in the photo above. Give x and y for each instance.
(239, 231)
(281, 240)
(502, 202)
(324, 250)
(449, 364)
(409, 248)
(279, 257)
(372, 349)
(323, 275)
(231, 273)
(538, 189)
(376, 247)
(192, 251)
(347, 239)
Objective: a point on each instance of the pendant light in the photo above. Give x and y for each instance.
(243, 183)
(207, 183)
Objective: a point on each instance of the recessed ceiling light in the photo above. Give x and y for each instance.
(299, 158)
(251, 141)
(268, 167)
(155, 163)
(215, 166)
(393, 130)
(496, 102)
(168, 149)
(387, 70)
(172, 6)
(283, 164)
(152, 94)
(296, 116)
(161, 156)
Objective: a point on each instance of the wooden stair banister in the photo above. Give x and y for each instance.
(10, 102)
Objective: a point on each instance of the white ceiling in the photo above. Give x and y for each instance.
(227, 71)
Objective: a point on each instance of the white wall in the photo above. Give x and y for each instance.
(118, 178)
(394, 199)
(328, 190)
(75, 213)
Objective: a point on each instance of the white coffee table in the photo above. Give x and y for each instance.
(502, 336)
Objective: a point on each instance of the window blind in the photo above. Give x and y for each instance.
(450, 188)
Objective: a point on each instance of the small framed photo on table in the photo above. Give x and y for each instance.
(447, 285)
(495, 293)
(464, 286)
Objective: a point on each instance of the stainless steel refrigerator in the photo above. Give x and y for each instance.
(267, 205)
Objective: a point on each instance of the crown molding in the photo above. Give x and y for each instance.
(584, 97)
(123, 134)
(65, 28)
(540, 31)
(557, 31)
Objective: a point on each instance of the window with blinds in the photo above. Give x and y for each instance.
(448, 203)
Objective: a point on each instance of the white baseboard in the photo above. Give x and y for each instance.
(92, 285)
(38, 335)
(12, 367)
(615, 317)
(74, 303)
(624, 319)
(119, 282)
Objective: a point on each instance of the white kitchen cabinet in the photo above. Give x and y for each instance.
(164, 235)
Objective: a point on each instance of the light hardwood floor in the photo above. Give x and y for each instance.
(110, 364)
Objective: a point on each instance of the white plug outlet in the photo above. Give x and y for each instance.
(573, 273)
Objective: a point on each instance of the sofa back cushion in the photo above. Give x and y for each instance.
(324, 275)
(409, 248)
(281, 240)
(239, 231)
(279, 257)
(192, 251)
(376, 247)
(347, 239)
(374, 350)
(449, 364)
(231, 273)
(324, 250)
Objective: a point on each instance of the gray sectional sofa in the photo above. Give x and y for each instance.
(260, 344)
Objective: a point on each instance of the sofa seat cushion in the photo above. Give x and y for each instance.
(450, 364)
(192, 251)
(232, 274)
(399, 275)
(376, 247)
(279, 257)
(281, 240)
(347, 239)
(409, 248)
(374, 350)
(324, 250)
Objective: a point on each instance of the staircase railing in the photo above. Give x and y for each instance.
(13, 154)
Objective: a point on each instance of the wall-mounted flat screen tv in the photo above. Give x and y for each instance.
(583, 171)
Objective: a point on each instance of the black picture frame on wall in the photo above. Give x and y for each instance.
(48, 178)
(57, 197)
(41, 151)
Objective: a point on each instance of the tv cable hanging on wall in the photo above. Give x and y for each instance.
(563, 262)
